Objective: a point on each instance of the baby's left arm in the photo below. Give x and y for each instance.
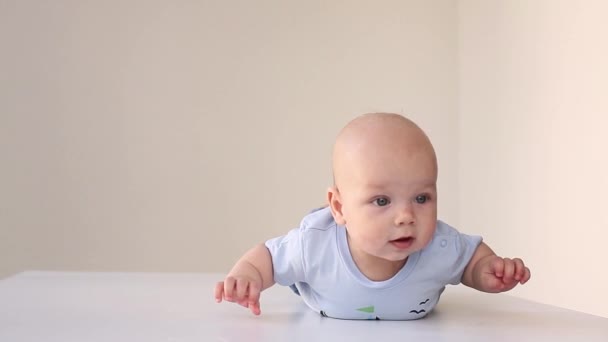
(488, 272)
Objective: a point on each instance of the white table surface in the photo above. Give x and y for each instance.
(65, 306)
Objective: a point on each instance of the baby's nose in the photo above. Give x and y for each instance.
(405, 216)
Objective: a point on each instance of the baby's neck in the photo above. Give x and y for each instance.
(381, 273)
(374, 268)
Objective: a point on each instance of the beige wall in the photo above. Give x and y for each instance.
(172, 136)
(533, 141)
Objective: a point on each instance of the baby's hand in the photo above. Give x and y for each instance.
(241, 290)
(502, 274)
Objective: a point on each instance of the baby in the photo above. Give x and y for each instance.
(377, 251)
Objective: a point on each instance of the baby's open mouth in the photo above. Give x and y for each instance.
(403, 242)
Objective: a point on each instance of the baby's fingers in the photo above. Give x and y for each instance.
(219, 291)
(526, 277)
(509, 271)
(522, 273)
(241, 289)
(229, 285)
(254, 292)
(254, 298)
(497, 267)
(255, 308)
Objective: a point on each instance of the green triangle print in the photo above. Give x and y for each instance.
(368, 309)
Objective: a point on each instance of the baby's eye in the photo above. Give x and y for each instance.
(381, 201)
(421, 199)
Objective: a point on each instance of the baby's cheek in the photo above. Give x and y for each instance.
(425, 239)
(365, 241)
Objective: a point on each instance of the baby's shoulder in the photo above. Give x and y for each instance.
(318, 220)
(448, 239)
(445, 230)
(318, 230)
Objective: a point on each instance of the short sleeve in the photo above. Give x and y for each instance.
(287, 257)
(464, 247)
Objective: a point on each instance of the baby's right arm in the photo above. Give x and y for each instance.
(251, 275)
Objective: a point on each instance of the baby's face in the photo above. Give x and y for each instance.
(385, 189)
(389, 203)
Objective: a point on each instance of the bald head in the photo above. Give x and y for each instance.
(379, 138)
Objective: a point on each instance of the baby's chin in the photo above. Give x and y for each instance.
(401, 255)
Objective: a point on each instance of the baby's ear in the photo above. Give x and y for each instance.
(335, 204)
